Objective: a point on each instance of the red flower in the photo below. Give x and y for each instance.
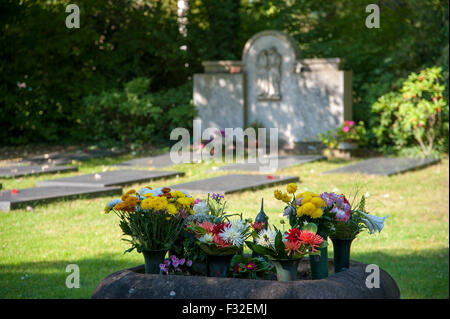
(269, 177)
(311, 239)
(220, 242)
(217, 228)
(293, 235)
(257, 225)
(250, 266)
(14, 191)
(236, 268)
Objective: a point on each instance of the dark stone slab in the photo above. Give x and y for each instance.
(18, 171)
(283, 162)
(233, 183)
(38, 195)
(158, 161)
(132, 283)
(59, 158)
(385, 166)
(111, 178)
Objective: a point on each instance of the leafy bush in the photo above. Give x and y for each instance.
(47, 68)
(417, 114)
(133, 115)
(347, 132)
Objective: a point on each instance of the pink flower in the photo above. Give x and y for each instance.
(346, 129)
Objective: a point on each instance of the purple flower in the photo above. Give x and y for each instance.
(182, 260)
(189, 263)
(287, 211)
(163, 268)
(217, 196)
(173, 258)
(167, 262)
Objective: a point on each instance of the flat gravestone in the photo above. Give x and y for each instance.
(283, 162)
(64, 158)
(19, 171)
(36, 195)
(158, 161)
(111, 178)
(233, 183)
(384, 166)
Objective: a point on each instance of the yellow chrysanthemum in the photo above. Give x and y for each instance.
(278, 194)
(308, 208)
(178, 194)
(300, 211)
(318, 202)
(317, 213)
(306, 198)
(171, 209)
(185, 201)
(291, 188)
(155, 203)
(286, 198)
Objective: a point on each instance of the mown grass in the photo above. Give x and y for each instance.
(36, 246)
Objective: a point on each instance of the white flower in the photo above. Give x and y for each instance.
(232, 235)
(201, 208)
(238, 224)
(206, 238)
(374, 223)
(266, 238)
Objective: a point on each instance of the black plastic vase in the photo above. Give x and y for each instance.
(341, 253)
(153, 258)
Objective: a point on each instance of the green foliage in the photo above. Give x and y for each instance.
(149, 231)
(116, 42)
(347, 132)
(416, 114)
(134, 115)
(250, 268)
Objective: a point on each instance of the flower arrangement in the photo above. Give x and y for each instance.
(294, 244)
(347, 132)
(175, 266)
(220, 238)
(348, 222)
(152, 218)
(250, 268)
(305, 208)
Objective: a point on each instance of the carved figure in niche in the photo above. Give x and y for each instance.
(268, 64)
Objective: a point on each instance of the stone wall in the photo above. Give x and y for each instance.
(275, 87)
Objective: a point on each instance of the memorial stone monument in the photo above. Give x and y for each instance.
(274, 86)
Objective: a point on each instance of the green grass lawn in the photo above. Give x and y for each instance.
(36, 246)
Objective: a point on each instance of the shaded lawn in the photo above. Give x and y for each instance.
(36, 246)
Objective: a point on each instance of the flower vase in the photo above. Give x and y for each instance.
(319, 263)
(218, 265)
(153, 258)
(287, 269)
(341, 253)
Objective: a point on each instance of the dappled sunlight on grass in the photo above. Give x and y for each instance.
(36, 246)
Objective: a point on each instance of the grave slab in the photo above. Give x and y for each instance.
(59, 158)
(233, 183)
(19, 171)
(157, 161)
(283, 162)
(36, 195)
(111, 178)
(384, 166)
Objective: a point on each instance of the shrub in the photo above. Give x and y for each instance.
(347, 132)
(417, 114)
(133, 115)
